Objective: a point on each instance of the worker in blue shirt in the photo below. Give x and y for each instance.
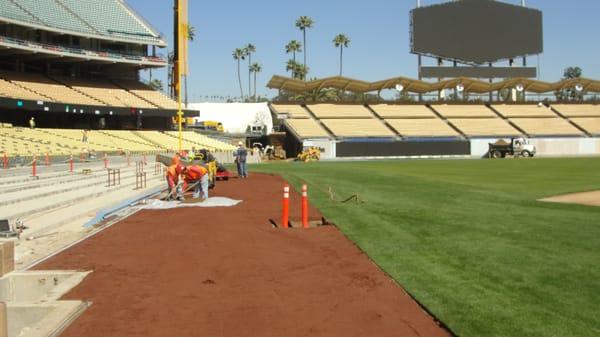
(240, 160)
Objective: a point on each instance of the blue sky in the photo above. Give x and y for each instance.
(378, 29)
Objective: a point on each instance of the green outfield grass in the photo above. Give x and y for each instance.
(468, 239)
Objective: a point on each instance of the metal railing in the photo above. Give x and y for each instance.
(81, 52)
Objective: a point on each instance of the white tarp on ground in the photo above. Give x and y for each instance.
(235, 117)
(210, 202)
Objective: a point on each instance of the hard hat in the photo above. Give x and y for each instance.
(240, 143)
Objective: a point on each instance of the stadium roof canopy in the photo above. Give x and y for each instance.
(111, 20)
(416, 86)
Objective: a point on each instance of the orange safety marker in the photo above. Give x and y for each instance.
(71, 164)
(34, 167)
(304, 206)
(5, 161)
(286, 207)
(105, 161)
(47, 159)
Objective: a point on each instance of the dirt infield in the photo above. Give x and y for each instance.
(227, 272)
(583, 198)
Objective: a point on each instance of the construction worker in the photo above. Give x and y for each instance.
(192, 154)
(173, 173)
(240, 160)
(211, 164)
(196, 174)
(175, 160)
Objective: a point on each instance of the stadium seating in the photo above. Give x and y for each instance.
(464, 111)
(202, 141)
(82, 91)
(357, 128)
(11, 90)
(293, 111)
(340, 111)
(510, 111)
(546, 127)
(9, 9)
(130, 140)
(578, 110)
(591, 125)
(110, 17)
(27, 142)
(433, 127)
(13, 141)
(56, 92)
(145, 92)
(170, 141)
(402, 111)
(106, 92)
(58, 16)
(306, 128)
(73, 138)
(162, 140)
(479, 127)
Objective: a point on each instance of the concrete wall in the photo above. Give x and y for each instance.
(547, 146)
(479, 147)
(327, 147)
(567, 146)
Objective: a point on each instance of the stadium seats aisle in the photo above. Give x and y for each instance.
(29, 142)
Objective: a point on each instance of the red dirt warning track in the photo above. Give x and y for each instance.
(226, 272)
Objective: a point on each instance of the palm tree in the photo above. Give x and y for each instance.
(156, 84)
(239, 55)
(298, 69)
(255, 68)
(293, 47)
(341, 41)
(301, 71)
(303, 23)
(291, 65)
(191, 33)
(249, 49)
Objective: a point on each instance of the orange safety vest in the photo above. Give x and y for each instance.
(195, 172)
(172, 172)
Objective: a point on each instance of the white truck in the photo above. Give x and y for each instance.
(517, 147)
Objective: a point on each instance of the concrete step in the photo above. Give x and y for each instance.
(72, 178)
(19, 174)
(62, 188)
(48, 221)
(49, 182)
(25, 175)
(31, 207)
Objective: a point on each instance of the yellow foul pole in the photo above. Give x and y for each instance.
(179, 112)
(182, 28)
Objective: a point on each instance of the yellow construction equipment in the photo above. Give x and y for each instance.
(310, 154)
(213, 125)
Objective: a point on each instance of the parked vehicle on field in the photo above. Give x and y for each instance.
(518, 147)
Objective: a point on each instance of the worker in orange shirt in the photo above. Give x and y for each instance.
(196, 174)
(173, 173)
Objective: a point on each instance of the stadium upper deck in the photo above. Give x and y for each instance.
(94, 30)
